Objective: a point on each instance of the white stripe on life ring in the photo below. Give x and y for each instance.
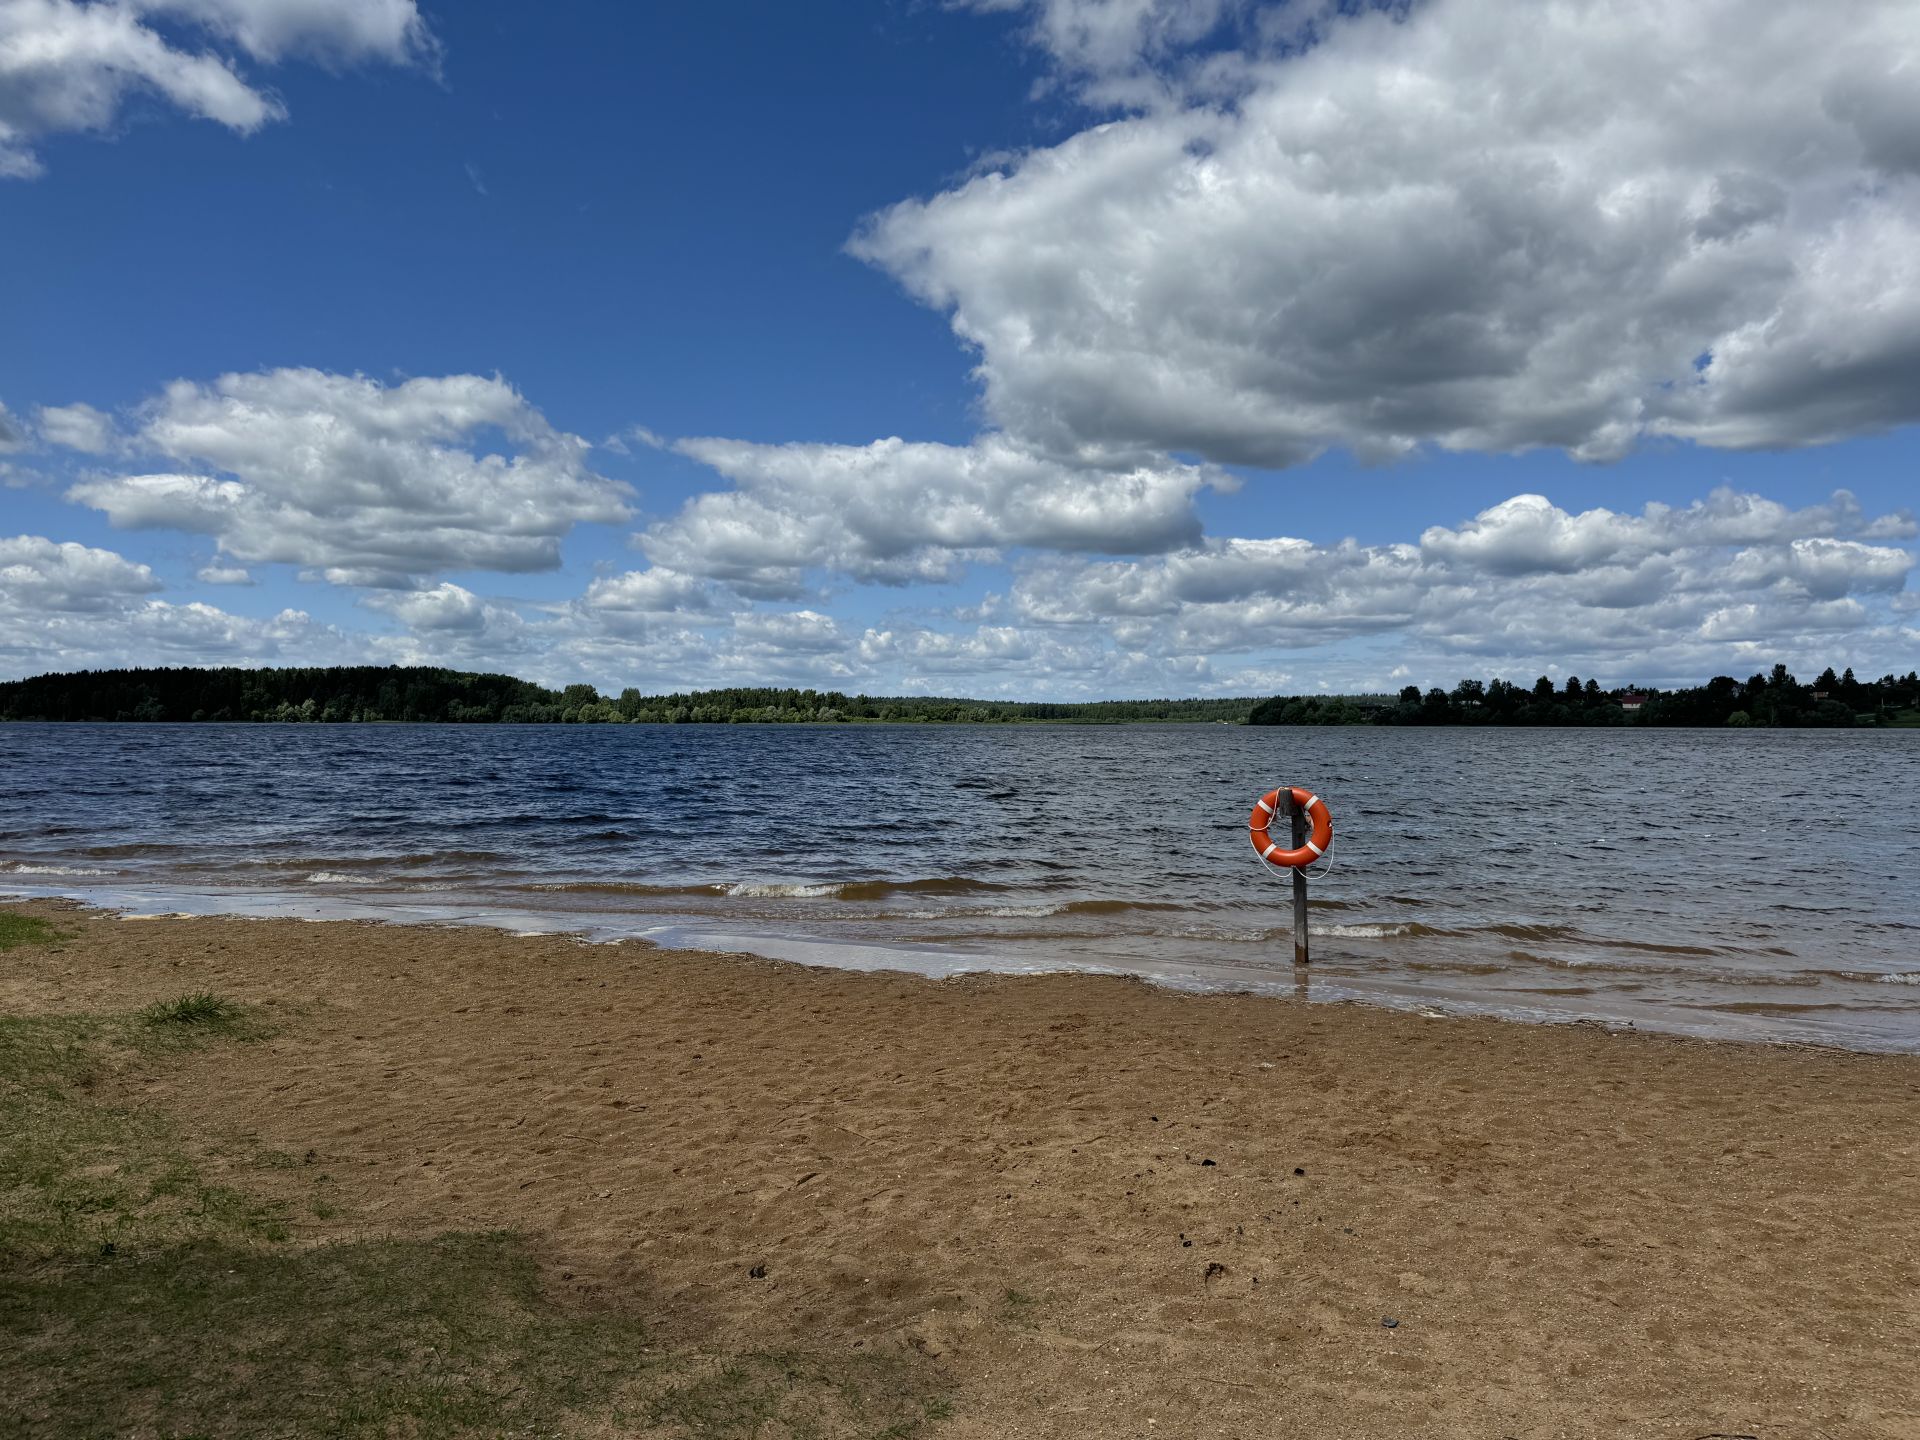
(1267, 854)
(1264, 806)
(1315, 848)
(1312, 800)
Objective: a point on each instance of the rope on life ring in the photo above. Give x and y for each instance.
(1267, 807)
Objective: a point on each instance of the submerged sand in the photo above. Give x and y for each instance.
(1106, 1209)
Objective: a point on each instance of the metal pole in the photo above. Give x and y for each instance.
(1299, 820)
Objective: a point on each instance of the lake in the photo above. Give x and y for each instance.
(1759, 884)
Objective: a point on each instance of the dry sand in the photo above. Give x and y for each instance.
(1106, 1209)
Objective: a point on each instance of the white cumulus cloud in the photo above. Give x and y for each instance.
(895, 512)
(66, 606)
(38, 576)
(362, 483)
(1673, 592)
(1488, 225)
(70, 65)
(78, 427)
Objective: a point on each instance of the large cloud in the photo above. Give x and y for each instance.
(364, 483)
(895, 513)
(1484, 226)
(67, 65)
(1669, 593)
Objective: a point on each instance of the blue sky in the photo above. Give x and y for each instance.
(1061, 348)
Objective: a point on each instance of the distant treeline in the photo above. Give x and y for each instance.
(345, 694)
(363, 693)
(1774, 699)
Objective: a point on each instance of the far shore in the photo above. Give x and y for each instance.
(1094, 1207)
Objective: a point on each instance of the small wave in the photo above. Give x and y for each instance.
(624, 887)
(1046, 910)
(412, 860)
(1760, 1007)
(334, 877)
(1910, 977)
(1652, 947)
(931, 885)
(53, 870)
(756, 890)
(1532, 932)
(858, 889)
(1391, 930)
(1117, 907)
(783, 889)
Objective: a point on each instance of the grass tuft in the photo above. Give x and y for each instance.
(200, 1008)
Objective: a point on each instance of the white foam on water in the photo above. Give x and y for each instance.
(758, 890)
(24, 869)
(334, 877)
(1911, 977)
(1361, 932)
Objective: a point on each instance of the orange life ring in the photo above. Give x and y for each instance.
(1308, 804)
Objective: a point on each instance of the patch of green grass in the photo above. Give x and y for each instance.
(18, 930)
(448, 1337)
(210, 1012)
(443, 1337)
(798, 1397)
(79, 1175)
(136, 1297)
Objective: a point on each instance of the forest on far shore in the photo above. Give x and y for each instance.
(1773, 699)
(425, 695)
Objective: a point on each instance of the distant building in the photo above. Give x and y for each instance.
(1631, 702)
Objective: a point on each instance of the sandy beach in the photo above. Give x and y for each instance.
(1097, 1207)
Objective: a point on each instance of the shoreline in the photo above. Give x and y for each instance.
(1411, 988)
(1208, 1205)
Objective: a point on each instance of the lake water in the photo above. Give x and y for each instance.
(1756, 884)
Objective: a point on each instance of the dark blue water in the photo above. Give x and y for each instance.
(1760, 884)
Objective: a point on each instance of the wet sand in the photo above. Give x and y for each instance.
(1105, 1209)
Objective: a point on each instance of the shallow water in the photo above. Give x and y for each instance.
(1753, 884)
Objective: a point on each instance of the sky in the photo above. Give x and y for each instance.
(1050, 349)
